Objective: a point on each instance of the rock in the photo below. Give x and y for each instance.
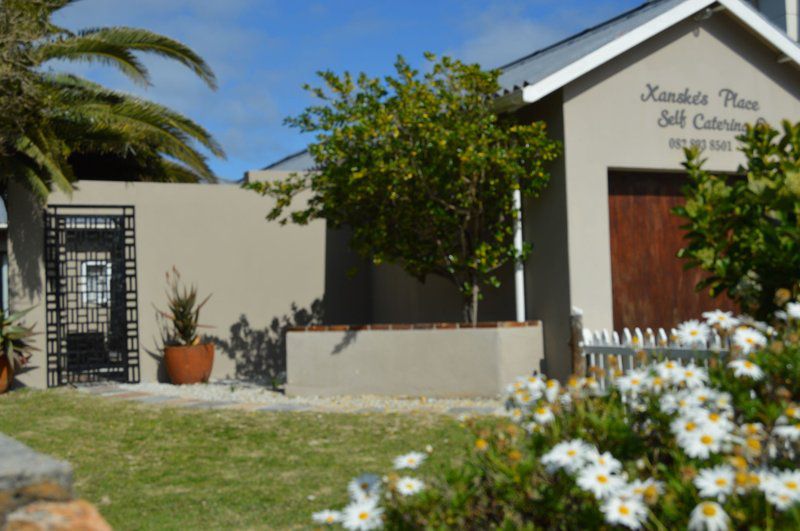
(78, 515)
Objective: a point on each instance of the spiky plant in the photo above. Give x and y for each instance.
(183, 311)
(15, 338)
(52, 124)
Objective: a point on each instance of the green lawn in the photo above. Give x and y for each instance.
(150, 467)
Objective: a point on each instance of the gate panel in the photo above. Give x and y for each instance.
(92, 314)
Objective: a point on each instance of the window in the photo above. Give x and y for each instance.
(95, 282)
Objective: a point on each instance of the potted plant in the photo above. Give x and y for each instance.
(187, 360)
(15, 344)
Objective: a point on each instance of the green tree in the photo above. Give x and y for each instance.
(745, 232)
(52, 122)
(421, 168)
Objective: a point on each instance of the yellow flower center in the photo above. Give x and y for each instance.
(650, 492)
(749, 340)
(330, 519)
(741, 479)
(669, 365)
(721, 482)
(602, 479)
(571, 453)
(790, 412)
(706, 439)
(709, 510)
(748, 364)
(754, 444)
(690, 426)
(791, 485)
(693, 333)
(689, 374)
(481, 444)
(363, 515)
(623, 509)
(551, 384)
(713, 417)
(541, 410)
(657, 381)
(752, 429)
(634, 381)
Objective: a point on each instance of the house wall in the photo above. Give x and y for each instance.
(216, 235)
(547, 290)
(609, 126)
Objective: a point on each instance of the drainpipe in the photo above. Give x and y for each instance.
(792, 12)
(4, 281)
(519, 271)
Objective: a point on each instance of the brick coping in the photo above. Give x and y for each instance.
(413, 326)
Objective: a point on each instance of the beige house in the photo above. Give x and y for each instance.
(624, 98)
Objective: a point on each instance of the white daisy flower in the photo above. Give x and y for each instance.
(408, 486)
(410, 460)
(669, 403)
(552, 388)
(669, 370)
(717, 482)
(532, 427)
(708, 516)
(600, 481)
(792, 412)
(655, 383)
(702, 442)
(725, 320)
(543, 414)
(746, 368)
(364, 486)
(693, 376)
(782, 489)
(595, 458)
(788, 431)
(326, 517)
(649, 490)
(536, 385)
(711, 418)
(516, 414)
(362, 515)
(748, 339)
(793, 310)
(630, 513)
(569, 455)
(632, 382)
(692, 333)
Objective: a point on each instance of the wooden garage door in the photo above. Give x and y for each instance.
(650, 286)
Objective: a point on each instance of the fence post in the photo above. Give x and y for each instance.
(576, 338)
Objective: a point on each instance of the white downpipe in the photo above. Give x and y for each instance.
(792, 13)
(4, 281)
(519, 270)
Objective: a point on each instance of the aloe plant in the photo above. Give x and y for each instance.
(15, 338)
(183, 311)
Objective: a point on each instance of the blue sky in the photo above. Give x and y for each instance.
(264, 50)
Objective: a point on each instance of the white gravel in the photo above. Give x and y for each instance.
(247, 393)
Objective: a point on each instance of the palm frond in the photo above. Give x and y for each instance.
(147, 41)
(91, 50)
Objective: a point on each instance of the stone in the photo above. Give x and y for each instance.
(27, 476)
(77, 515)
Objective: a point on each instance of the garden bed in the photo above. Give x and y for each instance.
(433, 360)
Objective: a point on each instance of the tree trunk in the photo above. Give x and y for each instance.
(471, 303)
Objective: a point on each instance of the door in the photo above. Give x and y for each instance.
(650, 286)
(92, 314)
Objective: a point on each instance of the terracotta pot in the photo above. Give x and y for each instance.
(6, 374)
(189, 364)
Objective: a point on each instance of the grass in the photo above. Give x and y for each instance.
(150, 467)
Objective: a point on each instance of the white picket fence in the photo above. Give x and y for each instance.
(599, 346)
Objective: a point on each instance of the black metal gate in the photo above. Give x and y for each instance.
(92, 314)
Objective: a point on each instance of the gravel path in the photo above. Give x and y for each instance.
(241, 395)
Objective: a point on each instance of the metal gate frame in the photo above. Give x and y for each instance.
(62, 285)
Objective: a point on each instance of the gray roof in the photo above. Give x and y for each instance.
(300, 161)
(547, 61)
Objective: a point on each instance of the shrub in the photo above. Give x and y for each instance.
(745, 232)
(667, 446)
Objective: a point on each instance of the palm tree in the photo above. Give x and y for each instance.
(56, 126)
